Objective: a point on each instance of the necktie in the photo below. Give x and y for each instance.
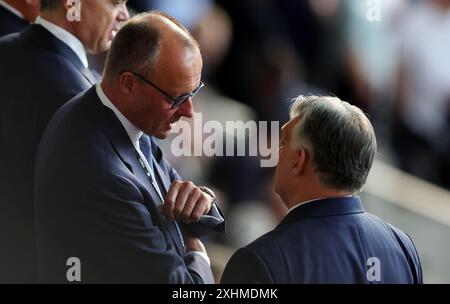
(145, 146)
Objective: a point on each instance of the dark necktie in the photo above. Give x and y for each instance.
(146, 148)
(145, 145)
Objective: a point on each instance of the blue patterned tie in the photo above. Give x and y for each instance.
(145, 146)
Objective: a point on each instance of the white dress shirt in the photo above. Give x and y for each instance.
(134, 134)
(11, 9)
(310, 201)
(66, 37)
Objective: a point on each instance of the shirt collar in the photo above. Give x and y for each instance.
(133, 132)
(307, 202)
(65, 37)
(11, 9)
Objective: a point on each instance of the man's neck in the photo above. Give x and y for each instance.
(110, 92)
(59, 19)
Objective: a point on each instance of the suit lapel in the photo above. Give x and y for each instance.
(164, 185)
(162, 177)
(88, 74)
(40, 37)
(121, 143)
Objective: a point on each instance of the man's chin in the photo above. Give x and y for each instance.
(162, 134)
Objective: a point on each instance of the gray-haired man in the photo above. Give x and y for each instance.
(326, 152)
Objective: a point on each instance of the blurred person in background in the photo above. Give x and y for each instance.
(372, 58)
(15, 15)
(42, 67)
(326, 152)
(422, 121)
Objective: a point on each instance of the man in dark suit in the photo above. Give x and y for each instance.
(41, 68)
(326, 152)
(15, 15)
(104, 193)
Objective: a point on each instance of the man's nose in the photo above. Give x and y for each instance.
(187, 109)
(123, 13)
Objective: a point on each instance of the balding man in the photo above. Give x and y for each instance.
(105, 196)
(15, 15)
(326, 153)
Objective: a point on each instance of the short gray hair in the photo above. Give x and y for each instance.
(339, 137)
(137, 44)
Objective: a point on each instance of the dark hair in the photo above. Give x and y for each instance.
(50, 4)
(339, 137)
(136, 45)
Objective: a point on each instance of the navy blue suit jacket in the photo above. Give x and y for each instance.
(327, 241)
(94, 201)
(10, 23)
(38, 74)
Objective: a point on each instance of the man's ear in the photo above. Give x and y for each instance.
(126, 83)
(301, 162)
(66, 5)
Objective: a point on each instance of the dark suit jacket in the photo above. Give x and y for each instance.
(327, 241)
(38, 73)
(94, 201)
(10, 23)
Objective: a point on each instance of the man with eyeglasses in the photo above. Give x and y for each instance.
(104, 192)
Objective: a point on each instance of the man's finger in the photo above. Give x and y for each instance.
(169, 202)
(202, 206)
(194, 196)
(182, 196)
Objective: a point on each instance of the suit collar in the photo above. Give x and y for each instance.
(123, 141)
(11, 9)
(67, 38)
(117, 135)
(325, 207)
(133, 132)
(108, 122)
(38, 36)
(10, 23)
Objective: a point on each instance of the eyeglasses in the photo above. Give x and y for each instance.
(176, 101)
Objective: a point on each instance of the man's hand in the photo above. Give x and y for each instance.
(193, 243)
(186, 202)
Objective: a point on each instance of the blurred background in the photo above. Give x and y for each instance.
(389, 57)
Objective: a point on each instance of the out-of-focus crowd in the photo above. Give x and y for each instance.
(389, 57)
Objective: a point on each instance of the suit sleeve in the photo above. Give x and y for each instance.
(139, 247)
(410, 252)
(97, 213)
(246, 267)
(214, 221)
